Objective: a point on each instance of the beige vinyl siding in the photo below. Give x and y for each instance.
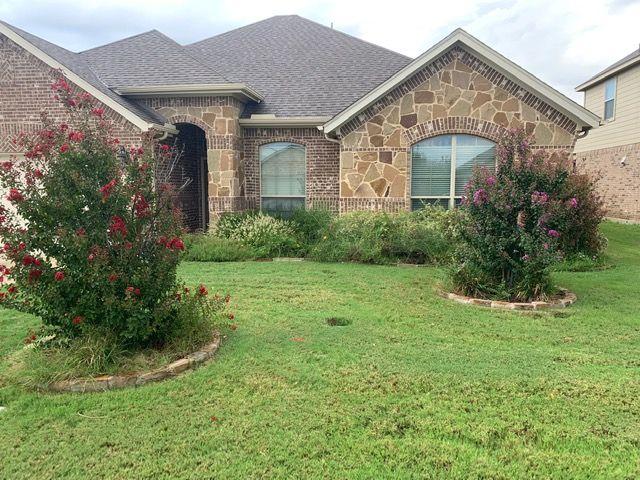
(624, 129)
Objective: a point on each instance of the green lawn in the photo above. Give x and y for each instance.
(415, 387)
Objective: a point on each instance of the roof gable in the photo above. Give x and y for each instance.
(301, 68)
(80, 73)
(460, 40)
(148, 59)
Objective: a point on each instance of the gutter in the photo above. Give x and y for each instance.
(273, 121)
(239, 90)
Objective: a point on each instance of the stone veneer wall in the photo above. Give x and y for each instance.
(322, 163)
(25, 91)
(456, 93)
(618, 185)
(218, 117)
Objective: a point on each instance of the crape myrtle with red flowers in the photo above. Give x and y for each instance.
(91, 241)
(520, 219)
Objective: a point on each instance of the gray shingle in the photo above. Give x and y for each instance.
(148, 59)
(80, 67)
(302, 68)
(616, 64)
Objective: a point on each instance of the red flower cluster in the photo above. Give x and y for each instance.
(64, 148)
(173, 244)
(113, 277)
(118, 226)
(35, 274)
(202, 291)
(59, 276)
(77, 320)
(98, 112)
(8, 165)
(81, 232)
(76, 136)
(140, 205)
(60, 84)
(15, 195)
(106, 189)
(135, 291)
(29, 260)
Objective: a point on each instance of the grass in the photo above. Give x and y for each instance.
(412, 386)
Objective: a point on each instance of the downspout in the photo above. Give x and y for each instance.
(327, 137)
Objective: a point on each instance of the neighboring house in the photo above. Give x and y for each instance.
(286, 112)
(611, 152)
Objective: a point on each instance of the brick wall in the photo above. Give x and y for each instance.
(617, 184)
(322, 163)
(25, 86)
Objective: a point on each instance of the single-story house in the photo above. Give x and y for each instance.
(285, 112)
(611, 153)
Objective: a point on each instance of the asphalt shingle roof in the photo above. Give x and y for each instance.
(616, 64)
(301, 68)
(78, 65)
(148, 59)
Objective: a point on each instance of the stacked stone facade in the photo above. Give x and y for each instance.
(218, 117)
(456, 93)
(617, 171)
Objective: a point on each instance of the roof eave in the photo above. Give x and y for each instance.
(583, 117)
(269, 121)
(238, 90)
(607, 74)
(142, 124)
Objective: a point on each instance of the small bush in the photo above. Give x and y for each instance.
(382, 238)
(309, 225)
(228, 223)
(267, 236)
(208, 248)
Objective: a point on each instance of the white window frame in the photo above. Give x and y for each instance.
(611, 80)
(303, 197)
(452, 197)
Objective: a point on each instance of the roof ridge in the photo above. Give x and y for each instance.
(190, 55)
(222, 34)
(130, 37)
(351, 36)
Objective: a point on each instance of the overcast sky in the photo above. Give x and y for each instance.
(563, 42)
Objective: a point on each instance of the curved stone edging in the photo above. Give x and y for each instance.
(137, 379)
(567, 299)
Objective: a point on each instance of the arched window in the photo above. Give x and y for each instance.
(282, 177)
(441, 167)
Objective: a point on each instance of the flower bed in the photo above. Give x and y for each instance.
(565, 299)
(137, 379)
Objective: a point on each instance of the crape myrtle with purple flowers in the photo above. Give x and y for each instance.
(521, 218)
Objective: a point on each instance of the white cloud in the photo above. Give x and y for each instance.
(562, 42)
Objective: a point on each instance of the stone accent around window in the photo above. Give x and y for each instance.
(375, 156)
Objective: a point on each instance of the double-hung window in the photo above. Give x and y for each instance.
(610, 99)
(442, 166)
(282, 177)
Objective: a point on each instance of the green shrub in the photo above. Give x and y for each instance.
(309, 225)
(208, 248)
(266, 235)
(228, 223)
(382, 238)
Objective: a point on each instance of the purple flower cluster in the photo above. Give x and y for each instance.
(572, 202)
(539, 198)
(553, 233)
(480, 196)
(491, 180)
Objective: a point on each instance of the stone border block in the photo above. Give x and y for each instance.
(138, 379)
(567, 298)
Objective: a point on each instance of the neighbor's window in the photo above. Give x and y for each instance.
(609, 98)
(441, 167)
(282, 176)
